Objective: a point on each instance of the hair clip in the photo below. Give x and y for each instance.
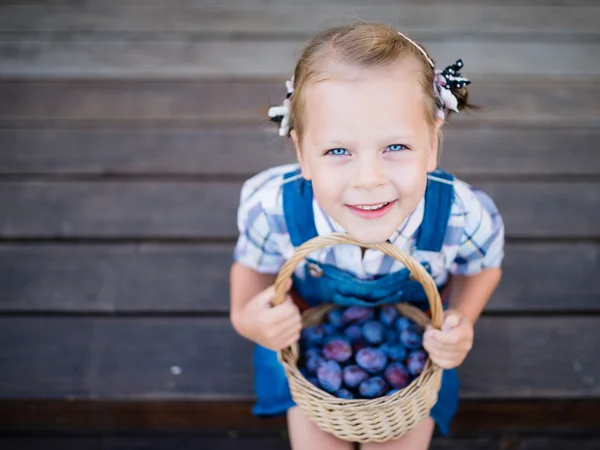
(448, 79)
(281, 114)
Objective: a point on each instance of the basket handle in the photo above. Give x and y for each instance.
(415, 268)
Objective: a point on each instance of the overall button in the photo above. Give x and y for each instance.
(315, 270)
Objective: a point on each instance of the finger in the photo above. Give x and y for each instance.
(284, 310)
(452, 320)
(445, 363)
(452, 337)
(289, 341)
(444, 354)
(290, 325)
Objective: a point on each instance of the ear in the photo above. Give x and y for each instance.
(303, 165)
(432, 156)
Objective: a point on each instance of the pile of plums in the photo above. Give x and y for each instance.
(362, 352)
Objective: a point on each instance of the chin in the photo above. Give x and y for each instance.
(370, 235)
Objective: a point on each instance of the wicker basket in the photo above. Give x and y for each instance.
(363, 420)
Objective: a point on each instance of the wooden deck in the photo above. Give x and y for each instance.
(126, 130)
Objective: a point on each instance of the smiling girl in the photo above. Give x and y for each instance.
(365, 110)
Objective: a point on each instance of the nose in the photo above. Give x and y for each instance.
(370, 174)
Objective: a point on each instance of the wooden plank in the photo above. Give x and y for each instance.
(568, 417)
(146, 209)
(128, 278)
(181, 59)
(427, 20)
(239, 3)
(258, 442)
(553, 443)
(275, 442)
(204, 359)
(152, 442)
(245, 150)
(521, 102)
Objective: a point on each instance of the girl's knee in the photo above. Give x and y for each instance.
(418, 438)
(305, 434)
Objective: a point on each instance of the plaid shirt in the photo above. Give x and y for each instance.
(474, 239)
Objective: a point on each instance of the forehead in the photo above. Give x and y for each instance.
(355, 99)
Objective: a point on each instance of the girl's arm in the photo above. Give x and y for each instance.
(252, 314)
(470, 293)
(245, 283)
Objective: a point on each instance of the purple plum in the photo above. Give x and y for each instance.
(397, 375)
(415, 362)
(411, 338)
(338, 350)
(345, 394)
(314, 361)
(330, 376)
(371, 359)
(373, 387)
(394, 352)
(373, 332)
(404, 323)
(312, 336)
(353, 376)
(334, 317)
(357, 314)
(387, 315)
(353, 333)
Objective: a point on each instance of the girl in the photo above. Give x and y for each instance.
(365, 109)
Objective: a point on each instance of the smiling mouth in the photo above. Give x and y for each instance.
(372, 211)
(374, 207)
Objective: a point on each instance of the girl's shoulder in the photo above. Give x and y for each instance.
(471, 201)
(265, 188)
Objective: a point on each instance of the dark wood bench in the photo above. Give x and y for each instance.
(126, 132)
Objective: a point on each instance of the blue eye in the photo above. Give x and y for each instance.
(396, 147)
(338, 152)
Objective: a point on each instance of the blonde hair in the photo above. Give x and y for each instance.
(363, 45)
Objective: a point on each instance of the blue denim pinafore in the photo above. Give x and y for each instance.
(330, 284)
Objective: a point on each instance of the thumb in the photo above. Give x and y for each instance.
(452, 320)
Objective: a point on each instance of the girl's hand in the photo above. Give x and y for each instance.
(449, 346)
(273, 327)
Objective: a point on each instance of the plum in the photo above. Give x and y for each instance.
(330, 376)
(394, 352)
(353, 333)
(373, 332)
(373, 387)
(357, 314)
(353, 376)
(338, 350)
(415, 362)
(312, 336)
(397, 375)
(345, 394)
(334, 317)
(371, 359)
(411, 338)
(387, 315)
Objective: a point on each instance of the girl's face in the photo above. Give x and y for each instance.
(367, 147)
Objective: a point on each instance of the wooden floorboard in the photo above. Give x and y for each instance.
(245, 150)
(284, 19)
(169, 358)
(121, 416)
(87, 278)
(186, 209)
(516, 101)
